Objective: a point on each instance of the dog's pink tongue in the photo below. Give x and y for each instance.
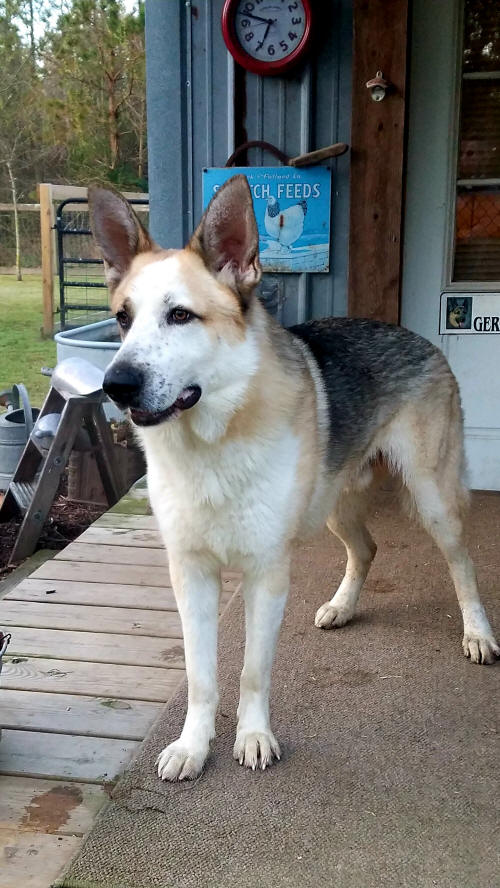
(188, 397)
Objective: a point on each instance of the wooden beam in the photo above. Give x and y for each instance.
(22, 207)
(63, 192)
(47, 240)
(377, 160)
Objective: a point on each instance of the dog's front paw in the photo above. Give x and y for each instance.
(331, 616)
(256, 749)
(480, 648)
(179, 761)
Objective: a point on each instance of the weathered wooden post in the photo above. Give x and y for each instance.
(47, 243)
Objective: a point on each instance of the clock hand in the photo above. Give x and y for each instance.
(260, 44)
(267, 31)
(257, 18)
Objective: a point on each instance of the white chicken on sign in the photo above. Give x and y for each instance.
(285, 226)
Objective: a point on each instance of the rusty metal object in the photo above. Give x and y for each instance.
(379, 87)
(308, 159)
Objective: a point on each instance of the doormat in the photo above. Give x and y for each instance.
(390, 742)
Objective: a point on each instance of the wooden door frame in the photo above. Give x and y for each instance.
(380, 42)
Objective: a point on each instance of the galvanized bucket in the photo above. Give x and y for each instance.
(15, 428)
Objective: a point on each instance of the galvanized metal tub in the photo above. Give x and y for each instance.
(96, 343)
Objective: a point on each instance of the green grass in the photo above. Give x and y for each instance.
(22, 350)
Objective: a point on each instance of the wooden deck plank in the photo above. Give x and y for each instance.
(126, 574)
(33, 860)
(121, 519)
(87, 618)
(135, 575)
(138, 492)
(24, 570)
(96, 651)
(49, 806)
(37, 754)
(97, 647)
(121, 536)
(97, 594)
(100, 554)
(133, 503)
(71, 714)
(56, 676)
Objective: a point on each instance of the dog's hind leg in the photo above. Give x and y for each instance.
(347, 522)
(428, 445)
(442, 519)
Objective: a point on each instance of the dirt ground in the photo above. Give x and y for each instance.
(65, 522)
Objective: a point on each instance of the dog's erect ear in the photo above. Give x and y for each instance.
(227, 238)
(117, 231)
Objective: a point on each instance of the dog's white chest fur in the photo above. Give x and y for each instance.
(233, 499)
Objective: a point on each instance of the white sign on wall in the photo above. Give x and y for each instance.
(466, 313)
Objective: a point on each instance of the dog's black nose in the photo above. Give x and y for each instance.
(123, 384)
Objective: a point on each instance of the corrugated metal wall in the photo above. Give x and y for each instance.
(196, 105)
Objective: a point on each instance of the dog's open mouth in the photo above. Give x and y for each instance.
(187, 398)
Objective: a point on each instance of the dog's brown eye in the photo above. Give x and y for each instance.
(179, 316)
(123, 319)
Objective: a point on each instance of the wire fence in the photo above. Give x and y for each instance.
(80, 294)
(29, 230)
(83, 296)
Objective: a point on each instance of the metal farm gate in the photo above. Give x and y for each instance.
(82, 288)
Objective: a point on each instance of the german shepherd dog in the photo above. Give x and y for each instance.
(255, 435)
(458, 312)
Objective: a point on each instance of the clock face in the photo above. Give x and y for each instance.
(269, 30)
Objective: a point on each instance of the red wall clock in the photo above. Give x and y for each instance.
(267, 36)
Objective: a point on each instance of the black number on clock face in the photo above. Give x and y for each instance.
(268, 30)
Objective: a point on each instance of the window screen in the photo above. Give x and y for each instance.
(477, 224)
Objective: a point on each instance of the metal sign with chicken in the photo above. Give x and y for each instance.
(292, 207)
